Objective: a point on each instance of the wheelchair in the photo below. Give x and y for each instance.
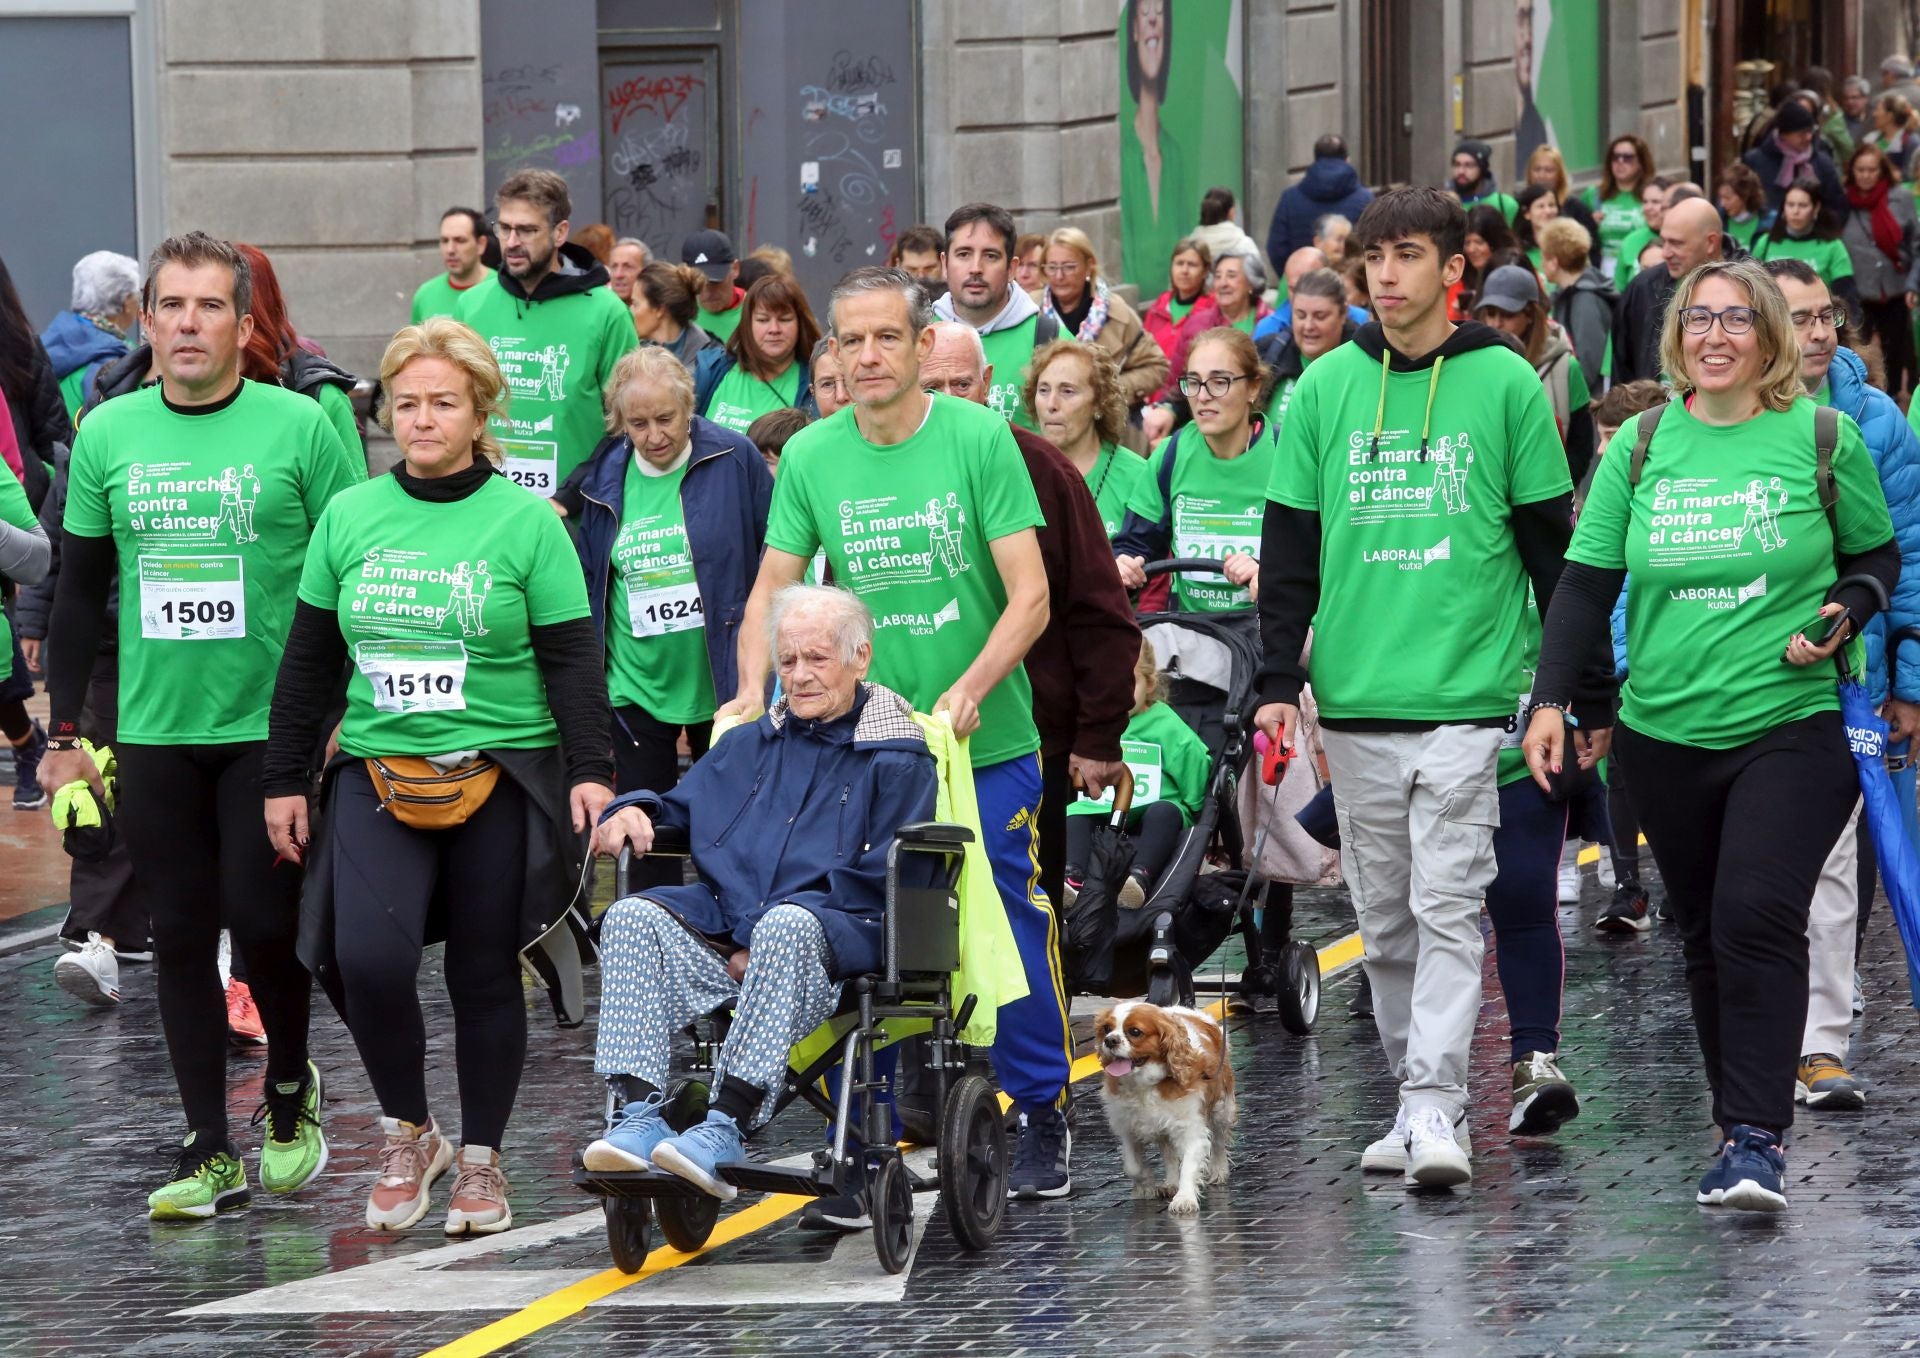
(911, 993)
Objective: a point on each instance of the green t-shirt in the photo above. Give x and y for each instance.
(1512, 764)
(1218, 506)
(1245, 324)
(435, 602)
(1828, 258)
(556, 356)
(1422, 591)
(740, 398)
(1111, 480)
(721, 324)
(1281, 398)
(656, 622)
(1170, 763)
(1009, 352)
(1178, 309)
(337, 406)
(18, 512)
(1729, 554)
(210, 516)
(438, 296)
(907, 527)
(1508, 205)
(1744, 229)
(1626, 261)
(1617, 218)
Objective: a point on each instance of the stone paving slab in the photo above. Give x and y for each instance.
(1589, 1244)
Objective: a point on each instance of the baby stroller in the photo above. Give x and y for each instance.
(1154, 951)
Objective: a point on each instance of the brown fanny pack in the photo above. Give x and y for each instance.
(421, 796)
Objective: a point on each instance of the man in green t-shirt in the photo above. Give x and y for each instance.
(202, 493)
(556, 328)
(712, 253)
(1420, 485)
(463, 231)
(981, 293)
(925, 510)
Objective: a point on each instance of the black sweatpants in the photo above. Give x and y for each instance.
(1056, 790)
(646, 757)
(105, 898)
(387, 879)
(192, 815)
(1740, 836)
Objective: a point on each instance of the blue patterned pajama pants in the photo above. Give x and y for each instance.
(656, 977)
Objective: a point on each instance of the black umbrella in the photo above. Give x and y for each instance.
(1094, 917)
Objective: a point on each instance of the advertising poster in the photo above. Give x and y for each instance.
(1181, 115)
(1556, 59)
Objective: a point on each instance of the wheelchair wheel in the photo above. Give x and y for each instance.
(629, 1231)
(892, 1198)
(687, 1221)
(1299, 987)
(973, 1163)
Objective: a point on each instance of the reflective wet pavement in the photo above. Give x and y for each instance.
(1587, 1244)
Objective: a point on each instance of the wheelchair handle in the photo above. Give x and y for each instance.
(1185, 565)
(1122, 795)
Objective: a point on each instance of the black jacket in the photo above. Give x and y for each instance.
(119, 376)
(35, 605)
(40, 424)
(1636, 325)
(1764, 160)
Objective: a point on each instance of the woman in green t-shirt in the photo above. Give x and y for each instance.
(457, 599)
(1739, 762)
(764, 364)
(1615, 200)
(1075, 391)
(1805, 229)
(1742, 200)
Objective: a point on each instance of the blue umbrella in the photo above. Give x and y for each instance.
(1893, 846)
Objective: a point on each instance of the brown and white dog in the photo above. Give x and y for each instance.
(1168, 1084)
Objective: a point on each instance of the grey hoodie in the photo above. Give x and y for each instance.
(1019, 306)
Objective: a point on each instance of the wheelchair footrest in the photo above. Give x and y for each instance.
(758, 1178)
(635, 1183)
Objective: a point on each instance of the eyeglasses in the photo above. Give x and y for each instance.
(1060, 270)
(1734, 320)
(1626, 155)
(506, 232)
(1215, 386)
(1833, 317)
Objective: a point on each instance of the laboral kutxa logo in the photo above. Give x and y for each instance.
(1411, 558)
(1721, 596)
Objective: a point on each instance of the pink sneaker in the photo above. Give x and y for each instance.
(478, 1203)
(243, 1019)
(409, 1163)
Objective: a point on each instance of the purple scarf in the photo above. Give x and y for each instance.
(1793, 164)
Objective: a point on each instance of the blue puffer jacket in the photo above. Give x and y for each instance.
(714, 363)
(725, 498)
(802, 811)
(1896, 456)
(74, 342)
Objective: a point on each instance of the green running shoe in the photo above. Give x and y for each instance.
(294, 1150)
(206, 1180)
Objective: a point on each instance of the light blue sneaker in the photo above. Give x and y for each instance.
(697, 1154)
(632, 1133)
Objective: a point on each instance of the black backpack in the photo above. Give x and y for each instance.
(1826, 437)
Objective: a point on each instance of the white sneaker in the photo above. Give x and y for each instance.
(1434, 1156)
(92, 974)
(1570, 874)
(1606, 868)
(1859, 996)
(1388, 1155)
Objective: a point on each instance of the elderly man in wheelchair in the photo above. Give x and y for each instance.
(792, 823)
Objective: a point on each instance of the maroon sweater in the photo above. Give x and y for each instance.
(1081, 668)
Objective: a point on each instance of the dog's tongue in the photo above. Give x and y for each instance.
(1119, 1068)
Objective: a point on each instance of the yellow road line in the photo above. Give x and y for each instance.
(576, 1297)
(1591, 854)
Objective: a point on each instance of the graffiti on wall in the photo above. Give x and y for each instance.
(846, 153)
(656, 171)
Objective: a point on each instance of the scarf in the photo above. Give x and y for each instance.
(1886, 231)
(1793, 163)
(1096, 320)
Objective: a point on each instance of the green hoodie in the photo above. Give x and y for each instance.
(556, 348)
(1422, 592)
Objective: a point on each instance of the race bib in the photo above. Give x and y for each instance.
(192, 598)
(532, 465)
(1214, 533)
(414, 676)
(653, 609)
(1143, 758)
(1516, 728)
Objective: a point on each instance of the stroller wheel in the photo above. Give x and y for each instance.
(1300, 987)
(629, 1231)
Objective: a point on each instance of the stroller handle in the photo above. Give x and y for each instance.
(1122, 794)
(1183, 565)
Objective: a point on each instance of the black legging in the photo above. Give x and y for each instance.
(191, 815)
(1626, 825)
(1889, 322)
(387, 879)
(1155, 829)
(1740, 837)
(646, 757)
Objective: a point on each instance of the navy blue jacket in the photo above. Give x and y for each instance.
(786, 810)
(725, 497)
(713, 363)
(1331, 184)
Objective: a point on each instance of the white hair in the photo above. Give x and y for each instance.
(1250, 265)
(852, 622)
(1326, 223)
(646, 255)
(960, 330)
(103, 280)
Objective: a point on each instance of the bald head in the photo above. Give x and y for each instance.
(1303, 262)
(957, 364)
(1689, 236)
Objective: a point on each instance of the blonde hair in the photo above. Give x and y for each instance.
(445, 338)
(1567, 243)
(1103, 376)
(1148, 665)
(648, 363)
(777, 259)
(1074, 239)
(1779, 383)
(1551, 155)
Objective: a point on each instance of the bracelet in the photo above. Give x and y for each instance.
(1561, 708)
(63, 742)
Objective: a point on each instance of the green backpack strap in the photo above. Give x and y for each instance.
(1649, 421)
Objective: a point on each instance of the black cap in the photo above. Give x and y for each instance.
(710, 252)
(1793, 116)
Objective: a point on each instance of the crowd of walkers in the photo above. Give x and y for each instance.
(1559, 509)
